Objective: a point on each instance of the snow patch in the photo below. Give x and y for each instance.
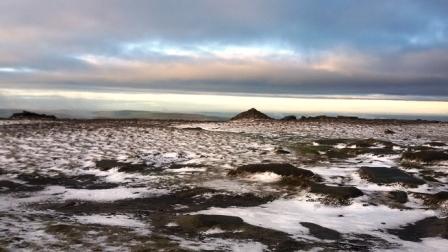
(110, 220)
(286, 214)
(265, 177)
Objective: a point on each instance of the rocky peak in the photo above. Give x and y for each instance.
(251, 114)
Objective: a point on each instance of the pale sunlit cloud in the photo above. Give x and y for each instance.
(270, 47)
(176, 102)
(16, 70)
(209, 50)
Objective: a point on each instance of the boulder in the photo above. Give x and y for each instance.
(398, 196)
(386, 175)
(107, 164)
(332, 195)
(321, 232)
(337, 192)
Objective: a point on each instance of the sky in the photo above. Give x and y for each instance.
(66, 54)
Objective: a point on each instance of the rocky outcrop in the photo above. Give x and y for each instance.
(424, 156)
(107, 164)
(202, 222)
(289, 118)
(436, 201)
(277, 168)
(321, 232)
(340, 193)
(398, 196)
(429, 227)
(251, 114)
(386, 175)
(26, 115)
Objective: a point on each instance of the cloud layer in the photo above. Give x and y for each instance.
(275, 47)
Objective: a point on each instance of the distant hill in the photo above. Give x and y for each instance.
(121, 114)
(251, 114)
(131, 114)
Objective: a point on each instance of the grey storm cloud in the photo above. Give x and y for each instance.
(300, 46)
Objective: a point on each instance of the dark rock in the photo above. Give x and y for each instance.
(359, 143)
(389, 132)
(309, 150)
(159, 242)
(386, 175)
(326, 148)
(366, 242)
(180, 165)
(83, 181)
(321, 232)
(277, 168)
(202, 222)
(332, 141)
(429, 178)
(333, 195)
(281, 151)
(7, 186)
(251, 114)
(398, 196)
(370, 142)
(334, 118)
(440, 196)
(348, 117)
(193, 128)
(133, 168)
(297, 182)
(194, 199)
(437, 144)
(108, 164)
(425, 156)
(234, 228)
(429, 227)
(336, 192)
(32, 116)
(434, 200)
(289, 118)
(343, 153)
(75, 233)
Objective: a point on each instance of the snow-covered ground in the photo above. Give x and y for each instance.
(56, 195)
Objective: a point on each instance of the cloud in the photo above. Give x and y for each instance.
(308, 46)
